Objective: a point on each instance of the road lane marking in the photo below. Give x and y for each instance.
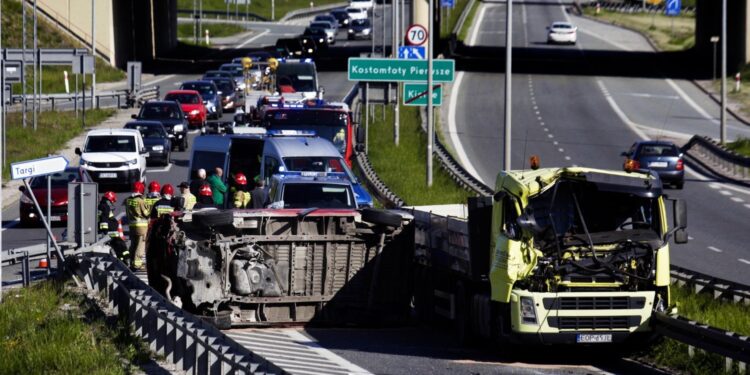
(744, 261)
(266, 31)
(646, 95)
(161, 170)
(477, 25)
(714, 249)
(453, 131)
(158, 80)
(690, 101)
(738, 199)
(724, 192)
(747, 205)
(567, 158)
(561, 149)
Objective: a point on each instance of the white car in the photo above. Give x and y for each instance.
(114, 156)
(357, 13)
(562, 32)
(362, 4)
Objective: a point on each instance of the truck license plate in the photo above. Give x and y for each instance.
(108, 175)
(658, 164)
(593, 338)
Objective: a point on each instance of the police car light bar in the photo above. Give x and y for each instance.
(291, 133)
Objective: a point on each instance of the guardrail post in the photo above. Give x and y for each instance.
(691, 351)
(118, 101)
(742, 367)
(25, 274)
(96, 100)
(728, 362)
(52, 100)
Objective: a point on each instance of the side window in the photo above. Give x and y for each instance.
(270, 167)
(510, 216)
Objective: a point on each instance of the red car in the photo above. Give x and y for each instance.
(29, 216)
(192, 105)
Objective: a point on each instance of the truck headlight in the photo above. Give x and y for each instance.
(177, 128)
(528, 311)
(158, 148)
(132, 162)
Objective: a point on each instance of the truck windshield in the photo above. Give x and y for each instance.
(110, 143)
(326, 124)
(564, 210)
(306, 195)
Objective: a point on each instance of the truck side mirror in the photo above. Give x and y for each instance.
(360, 134)
(360, 147)
(78, 151)
(680, 221)
(498, 196)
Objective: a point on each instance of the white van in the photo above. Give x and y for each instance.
(114, 156)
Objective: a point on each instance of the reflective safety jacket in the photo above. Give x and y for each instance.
(162, 207)
(188, 201)
(241, 199)
(151, 200)
(107, 220)
(137, 211)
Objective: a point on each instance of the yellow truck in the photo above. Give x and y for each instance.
(556, 255)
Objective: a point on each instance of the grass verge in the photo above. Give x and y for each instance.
(216, 30)
(705, 309)
(402, 167)
(668, 33)
(740, 146)
(261, 8)
(464, 32)
(54, 129)
(452, 15)
(48, 37)
(48, 329)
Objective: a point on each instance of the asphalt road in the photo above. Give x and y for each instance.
(588, 120)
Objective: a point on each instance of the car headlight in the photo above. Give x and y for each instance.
(83, 163)
(195, 112)
(158, 148)
(178, 128)
(351, 31)
(366, 31)
(528, 311)
(309, 50)
(26, 200)
(132, 162)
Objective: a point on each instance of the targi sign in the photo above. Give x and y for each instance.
(395, 70)
(37, 167)
(416, 94)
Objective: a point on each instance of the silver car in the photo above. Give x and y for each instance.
(327, 27)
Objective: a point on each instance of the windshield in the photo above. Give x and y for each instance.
(658, 150)
(58, 179)
(318, 164)
(148, 131)
(234, 70)
(353, 11)
(306, 195)
(183, 98)
(330, 125)
(225, 87)
(571, 207)
(300, 76)
(320, 25)
(160, 112)
(364, 22)
(110, 143)
(206, 90)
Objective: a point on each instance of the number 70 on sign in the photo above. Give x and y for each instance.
(416, 35)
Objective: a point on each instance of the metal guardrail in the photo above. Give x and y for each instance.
(732, 164)
(310, 11)
(711, 339)
(387, 197)
(462, 18)
(631, 7)
(719, 288)
(123, 98)
(147, 93)
(190, 343)
(218, 13)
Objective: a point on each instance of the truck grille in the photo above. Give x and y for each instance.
(593, 322)
(594, 303)
(107, 165)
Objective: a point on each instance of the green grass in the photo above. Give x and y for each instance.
(455, 14)
(54, 129)
(402, 167)
(464, 32)
(740, 146)
(261, 8)
(705, 309)
(668, 33)
(47, 329)
(48, 37)
(216, 30)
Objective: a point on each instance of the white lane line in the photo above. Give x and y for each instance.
(561, 149)
(744, 261)
(555, 143)
(737, 199)
(597, 36)
(160, 170)
(724, 192)
(453, 131)
(266, 31)
(473, 37)
(747, 205)
(715, 249)
(159, 80)
(550, 136)
(567, 158)
(690, 101)
(690, 238)
(646, 95)
(315, 346)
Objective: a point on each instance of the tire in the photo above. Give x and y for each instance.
(381, 217)
(213, 218)
(168, 158)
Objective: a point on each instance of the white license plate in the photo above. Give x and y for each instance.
(55, 218)
(658, 164)
(108, 175)
(593, 338)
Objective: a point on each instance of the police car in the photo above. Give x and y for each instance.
(311, 190)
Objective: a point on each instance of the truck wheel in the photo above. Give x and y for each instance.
(382, 217)
(213, 218)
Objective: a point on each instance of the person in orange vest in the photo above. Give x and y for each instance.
(137, 212)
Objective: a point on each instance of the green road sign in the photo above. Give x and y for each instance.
(397, 70)
(416, 94)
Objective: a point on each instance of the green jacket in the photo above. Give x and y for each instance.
(218, 188)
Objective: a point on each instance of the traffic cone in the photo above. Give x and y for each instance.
(119, 230)
(43, 263)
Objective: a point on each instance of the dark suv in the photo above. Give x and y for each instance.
(170, 115)
(662, 157)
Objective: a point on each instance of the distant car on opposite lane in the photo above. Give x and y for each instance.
(662, 157)
(192, 106)
(169, 114)
(59, 194)
(562, 32)
(156, 140)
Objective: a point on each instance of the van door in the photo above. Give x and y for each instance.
(209, 152)
(246, 156)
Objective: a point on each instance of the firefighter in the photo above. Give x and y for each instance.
(153, 194)
(137, 211)
(205, 197)
(166, 204)
(241, 195)
(109, 226)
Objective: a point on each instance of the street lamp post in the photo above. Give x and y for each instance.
(714, 40)
(430, 120)
(723, 131)
(508, 71)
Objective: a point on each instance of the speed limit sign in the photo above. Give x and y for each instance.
(416, 35)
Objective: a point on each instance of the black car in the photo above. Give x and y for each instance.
(662, 157)
(209, 93)
(319, 37)
(259, 56)
(359, 29)
(230, 97)
(155, 139)
(170, 115)
(296, 48)
(341, 16)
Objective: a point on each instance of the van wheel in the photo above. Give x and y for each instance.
(213, 218)
(382, 217)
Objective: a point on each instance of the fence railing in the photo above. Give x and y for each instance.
(730, 164)
(118, 98)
